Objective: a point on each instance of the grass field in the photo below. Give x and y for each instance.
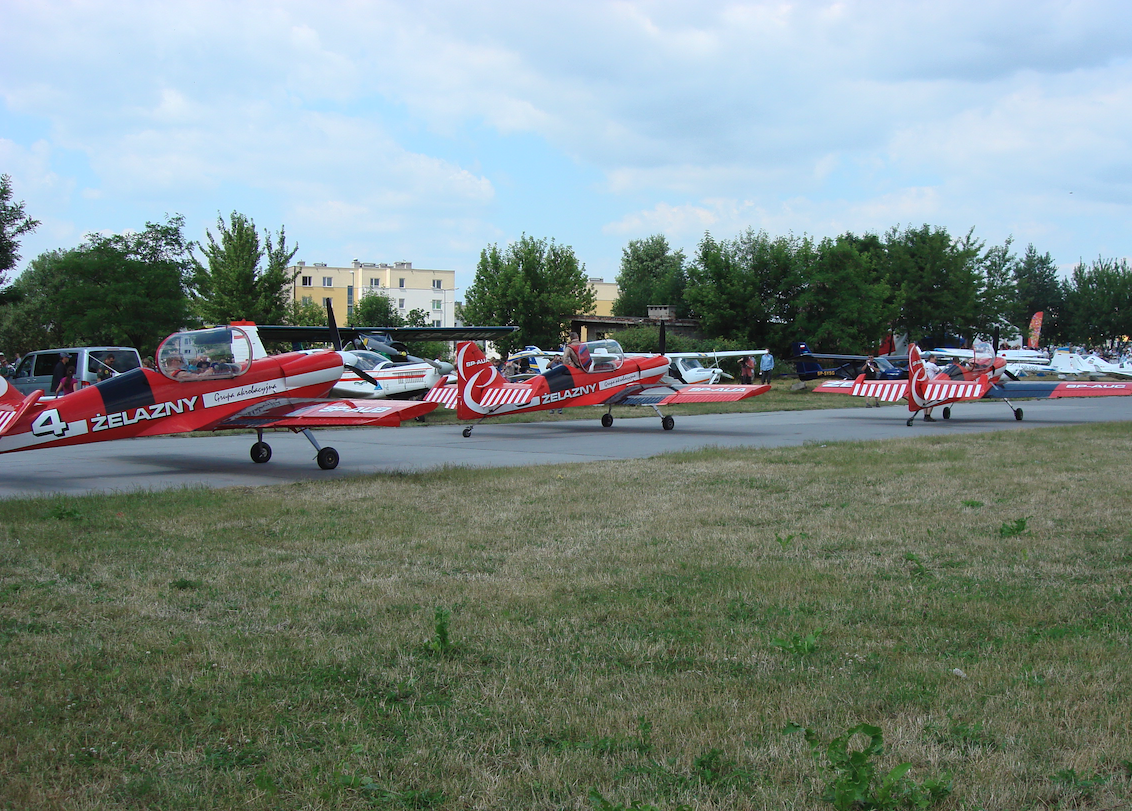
(591, 636)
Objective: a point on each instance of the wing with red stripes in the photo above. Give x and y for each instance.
(713, 394)
(300, 414)
(888, 391)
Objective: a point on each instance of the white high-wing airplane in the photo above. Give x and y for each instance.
(1019, 362)
(1096, 365)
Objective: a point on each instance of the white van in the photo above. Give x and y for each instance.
(92, 364)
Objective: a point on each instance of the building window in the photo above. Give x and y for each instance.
(308, 300)
(436, 284)
(400, 282)
(436, 324)
(375, 283)
(349, 310)
(437, 304)
(327, 281)
(349, 295)
(308, 281)
(400, 303)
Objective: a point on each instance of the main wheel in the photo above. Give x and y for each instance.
(668, 422)
(261, 452)
(328, 458)
(1018, 414)
(947, 413)
(467, 432)
(606, 420)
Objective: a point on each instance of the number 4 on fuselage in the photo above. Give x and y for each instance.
(608, 378)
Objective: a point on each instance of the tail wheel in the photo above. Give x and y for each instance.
(1018, 414)
(261, 452)
(947, 413)
(328, 458)
(668, 423)
(467, 432)
(606, 420)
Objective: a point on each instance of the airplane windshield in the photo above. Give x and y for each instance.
(368, 361)
(205, 354)
(605, 356)
(983, 353)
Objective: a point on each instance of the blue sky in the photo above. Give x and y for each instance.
(425, 131)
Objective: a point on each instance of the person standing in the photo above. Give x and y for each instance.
(766, 368)
(745, 371)
(932, 372)
(60, 370)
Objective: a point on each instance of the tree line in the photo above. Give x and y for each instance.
(845, 294)
(842, 294)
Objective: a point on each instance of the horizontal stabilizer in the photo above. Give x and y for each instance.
(9, 415)
(713, 394)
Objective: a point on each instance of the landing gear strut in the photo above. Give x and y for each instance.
(327, 458)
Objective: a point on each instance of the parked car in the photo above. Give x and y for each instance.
(92, 365)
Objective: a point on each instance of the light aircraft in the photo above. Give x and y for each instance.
(380, 352)
(1092, 365)
(205, 380)
(610, 378)
(809, 365)
(974, 383)
(688, 367)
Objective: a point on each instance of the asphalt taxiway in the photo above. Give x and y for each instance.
(222, 461)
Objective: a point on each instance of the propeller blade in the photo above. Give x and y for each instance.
(335, 337)
(995, 346)
(662, 341)
(363, 375)
(1010, 374)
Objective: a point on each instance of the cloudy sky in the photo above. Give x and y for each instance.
(425, 131)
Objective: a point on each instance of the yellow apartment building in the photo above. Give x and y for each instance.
(409, 288)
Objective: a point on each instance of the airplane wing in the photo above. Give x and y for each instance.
(730, 353)
(299, 414)
(288, 334)
(1067, 388)
(673, 395)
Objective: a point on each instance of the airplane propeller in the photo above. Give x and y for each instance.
(349, 360)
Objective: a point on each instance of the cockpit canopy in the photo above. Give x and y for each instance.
(205, 354)
(603, 356)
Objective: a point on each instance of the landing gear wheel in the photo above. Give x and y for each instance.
(606, 420)
(328, 458)
(667, 423)
(261, 452)
(947, 413)
(467, 432)
(909, 421)
(1018, 414)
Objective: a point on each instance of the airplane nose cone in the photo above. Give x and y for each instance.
(445, 368)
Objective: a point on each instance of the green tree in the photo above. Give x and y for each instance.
(244, 279)
(651, 273)
(746, 289)
(376, 310)
(304, 313)
(843, 303)
(998, 294)
(936, 282)
(1039, 289)
(533, 284)
(126, 289)
(14, 223)
(1098, 302)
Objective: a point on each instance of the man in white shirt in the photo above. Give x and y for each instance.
(933, 371)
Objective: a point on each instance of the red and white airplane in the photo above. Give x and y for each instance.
(206, 380)
(609, 378)
(923, 391)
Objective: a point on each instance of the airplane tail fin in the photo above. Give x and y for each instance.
(806, 369)
(474, 374)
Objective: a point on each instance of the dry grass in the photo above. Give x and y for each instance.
(610, 627)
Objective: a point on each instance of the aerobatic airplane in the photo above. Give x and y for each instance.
(609, 378)
(205, 380)
(982, 380)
